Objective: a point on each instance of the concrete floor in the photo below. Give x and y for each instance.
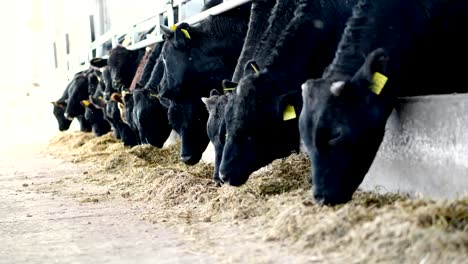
(47, 228)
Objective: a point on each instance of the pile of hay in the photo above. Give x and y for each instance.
(277, 201)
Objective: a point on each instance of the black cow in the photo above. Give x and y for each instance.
(122, 65)
(99, 100)
(144, 111)
(261, 118)
(150, 117)
(281, 14)
(264, 30)
(126, 133)
(62, 104)
(343, 120)
(196, 59)
(216, 127)
(150, 75)
(259, 25)
(59, 110)
(95, 115)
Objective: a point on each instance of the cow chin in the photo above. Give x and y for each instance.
(336, 178)
(234, 176)
(191, 153)
(63, 127)
(190, 159)
(335, 190)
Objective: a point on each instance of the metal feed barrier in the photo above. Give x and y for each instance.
(132, 38)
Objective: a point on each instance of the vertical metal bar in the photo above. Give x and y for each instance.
(55, 55)
(67, 43)
(91, 28)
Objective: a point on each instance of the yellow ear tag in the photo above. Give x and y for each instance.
(98, 78)
(289, 113)
(101, 98)
(174, 27)
(378, 82)
(86, 103)
(185, 32)
(229, 89)
(154, 95)
(254, 68)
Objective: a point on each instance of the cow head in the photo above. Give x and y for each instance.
(188, 118)
(106, 83)
(191, 63)
(261, 125)
(122, 65)
(95, 117)
(342, 125)
(178, 59)
(95, 90)
(89, 111)
(59, 113)
(77, 92)
(150, 118)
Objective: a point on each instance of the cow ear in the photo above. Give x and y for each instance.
(59, 104)
(98, 62)
(214, 92)
(251, 67)
(229, 86)
(182, 35)
(210, 101)
(206, 101)
(376, 61)
(374, 70)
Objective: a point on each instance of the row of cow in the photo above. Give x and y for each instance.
(273, 74)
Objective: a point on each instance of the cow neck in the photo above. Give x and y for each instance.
(139, 71)
(297, 46)
(281, 14)
(357, 37)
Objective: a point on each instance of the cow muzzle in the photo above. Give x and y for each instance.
(189, 160)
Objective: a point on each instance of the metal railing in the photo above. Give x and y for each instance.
(172, 13)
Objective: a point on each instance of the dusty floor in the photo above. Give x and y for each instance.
(48, 225)
(46, 228)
